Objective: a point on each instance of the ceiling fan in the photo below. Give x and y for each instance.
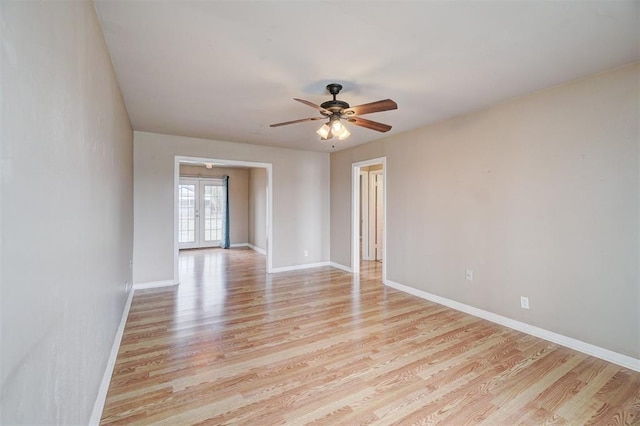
(336, 110)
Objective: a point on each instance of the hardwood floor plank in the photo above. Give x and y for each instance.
(233, 345)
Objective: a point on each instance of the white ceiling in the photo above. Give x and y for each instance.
(225, 70)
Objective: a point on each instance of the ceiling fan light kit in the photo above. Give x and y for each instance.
(336, 111)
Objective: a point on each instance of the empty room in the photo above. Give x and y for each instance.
(320, 212)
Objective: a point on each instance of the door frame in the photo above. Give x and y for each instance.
(222, 162)
(355, 213)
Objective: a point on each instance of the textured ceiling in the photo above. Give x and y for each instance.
(225, 70)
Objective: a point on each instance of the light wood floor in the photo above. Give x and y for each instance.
(232, 345)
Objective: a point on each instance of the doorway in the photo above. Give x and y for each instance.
(268, 217)
(369, 213)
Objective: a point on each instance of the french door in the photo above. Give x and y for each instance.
(200, 213)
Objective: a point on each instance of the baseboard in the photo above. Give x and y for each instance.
(239, 245)
(153, 284)
(258, 249)
(569, 342)
(340, 266)
(298, 267)
(98, 405)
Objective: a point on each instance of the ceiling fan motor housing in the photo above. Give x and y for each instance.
(335, 106)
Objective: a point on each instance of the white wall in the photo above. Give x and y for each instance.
(539, 196)
(300, 200)
(238, 197)
(66, 212)
(258, 208)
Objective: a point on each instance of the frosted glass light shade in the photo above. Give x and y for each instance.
(324, 131)
(345, 133)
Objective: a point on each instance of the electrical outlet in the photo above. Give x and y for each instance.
(468, 275)
(524, 302)
(306, 253)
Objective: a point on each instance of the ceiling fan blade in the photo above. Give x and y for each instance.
(384, 105)
(312, 105)
(302, 120)
(373, 125)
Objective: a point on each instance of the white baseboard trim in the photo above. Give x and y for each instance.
(569, 342)
(153, 284)
(239, 245)
(258, 249)
(98, 405)
(340, 266)
(298, 267)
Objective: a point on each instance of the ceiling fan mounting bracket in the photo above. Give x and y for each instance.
(334, 89)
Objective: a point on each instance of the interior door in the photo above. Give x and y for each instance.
(364, 216)
(379, 216)
(376, 211)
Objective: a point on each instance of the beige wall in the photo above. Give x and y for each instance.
(66, 212)
(238, 197)
(258, 208)
(539, 196)
(300, 200)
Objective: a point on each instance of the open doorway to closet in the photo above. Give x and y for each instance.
(369, 213)
(222, 203)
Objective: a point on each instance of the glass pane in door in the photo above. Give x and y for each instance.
(187, 213)
(213, 205)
